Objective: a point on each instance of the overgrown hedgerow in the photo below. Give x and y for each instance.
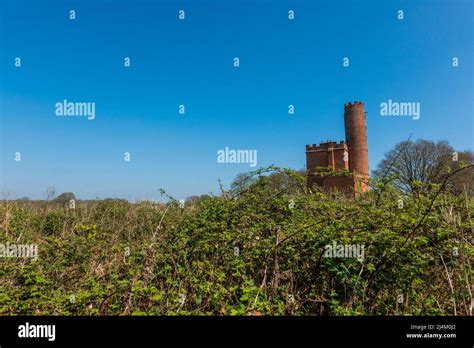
(259, 248)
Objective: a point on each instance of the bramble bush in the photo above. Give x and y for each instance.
(257, 249)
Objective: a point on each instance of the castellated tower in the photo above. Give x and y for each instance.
(356, 138)
(342, 166)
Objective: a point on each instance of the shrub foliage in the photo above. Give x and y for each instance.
(259, 248)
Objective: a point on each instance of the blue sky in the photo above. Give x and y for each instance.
(190, 62)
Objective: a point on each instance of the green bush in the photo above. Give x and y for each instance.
(258, 249)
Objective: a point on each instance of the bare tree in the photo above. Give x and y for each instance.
(50, 192)
(415, 165)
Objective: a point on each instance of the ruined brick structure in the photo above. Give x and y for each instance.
(348, 161)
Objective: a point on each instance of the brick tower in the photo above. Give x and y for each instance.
(356, 138)
(343, 157)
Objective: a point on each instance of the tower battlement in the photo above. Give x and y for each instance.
(356, 104)
(323, 146)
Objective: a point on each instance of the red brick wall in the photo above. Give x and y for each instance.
(356, 137)
(331, 154)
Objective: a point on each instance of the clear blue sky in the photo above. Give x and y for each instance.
(190, 62)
